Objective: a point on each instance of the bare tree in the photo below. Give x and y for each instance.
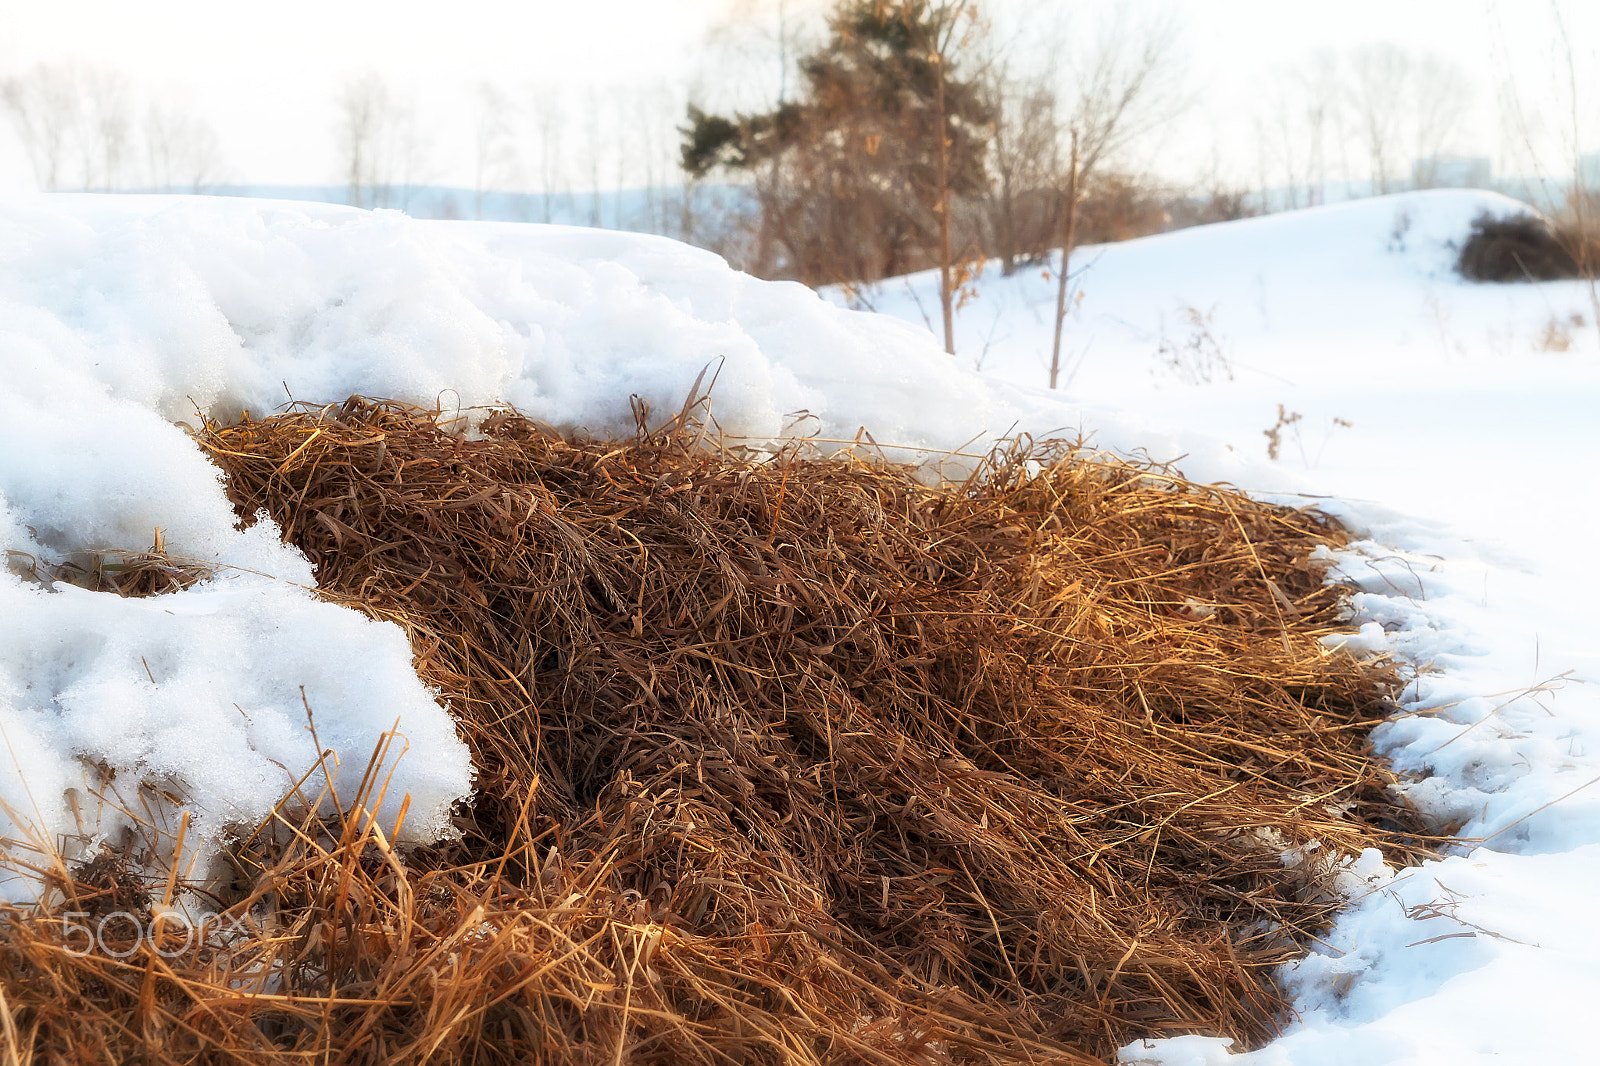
(409, 149)
(1381, 82)
(1551, 139)
(749, 63)
(182, 151)
(751, 55)
(940, 31)
(363, 106)
(1130, 83)
(1279, 136)
(1440, 95)
(1024, 163)
(546, 111)
(1044, 80)
(1400, 110)
(87, 129)
(106, 134)
(81, 128)
(495, 158)
(654, 111)
(594, 150)
(1306, 118)
(622, 154)
(381, 141)
(45, 111)
(1068, 239)
(1320, 85)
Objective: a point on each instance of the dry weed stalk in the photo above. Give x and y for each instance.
(126, 573)
(793, 762)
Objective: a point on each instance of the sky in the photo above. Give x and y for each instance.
(267, 76)
(1242, 49)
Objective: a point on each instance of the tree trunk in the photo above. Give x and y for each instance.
(1066, 260)
(946, 295)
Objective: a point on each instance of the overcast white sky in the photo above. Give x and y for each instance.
(266, 75)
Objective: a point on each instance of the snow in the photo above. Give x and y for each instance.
(227, 305)
(1450, 424)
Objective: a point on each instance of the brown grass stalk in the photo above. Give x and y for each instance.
(794, 761)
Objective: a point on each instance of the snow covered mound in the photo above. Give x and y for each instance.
(121, 315)
(227, 304)
(1332, 350)
(1260, 299)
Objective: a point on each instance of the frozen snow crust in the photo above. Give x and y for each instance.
(240, 304)
(1468, 462)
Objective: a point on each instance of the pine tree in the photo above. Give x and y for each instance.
(850, 178)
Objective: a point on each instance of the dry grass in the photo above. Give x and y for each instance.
(791, 762)
(126, 573)
(1527, 248)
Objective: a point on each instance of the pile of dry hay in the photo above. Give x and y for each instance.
(792, 761)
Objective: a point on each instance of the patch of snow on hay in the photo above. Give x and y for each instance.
(200, 693)
(235, 304)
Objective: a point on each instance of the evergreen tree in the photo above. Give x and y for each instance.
(850, 179)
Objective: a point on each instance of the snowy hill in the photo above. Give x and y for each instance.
(1468, 460)
(1351, 317)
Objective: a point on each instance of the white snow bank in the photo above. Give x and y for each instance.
(226, 304)
(1488, 959)
(1358, 283)
(200, 694)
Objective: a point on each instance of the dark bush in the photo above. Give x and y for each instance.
(1519, 248)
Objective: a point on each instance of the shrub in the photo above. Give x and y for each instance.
(1522, 248)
